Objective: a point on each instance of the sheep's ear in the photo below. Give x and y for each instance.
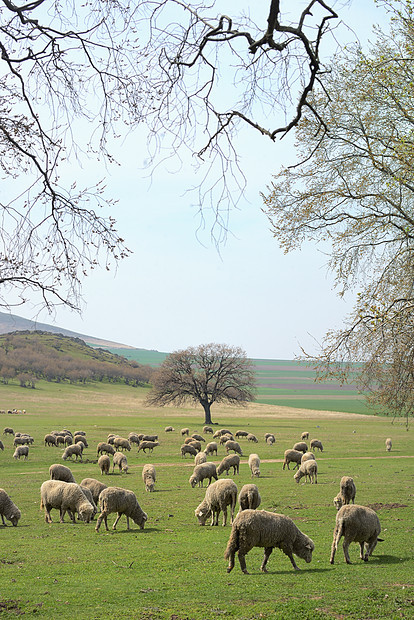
(309, 547)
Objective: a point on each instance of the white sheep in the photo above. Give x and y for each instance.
(147, 445)
(251, 437)
(301, 446)
(305, 435)
(75, 450)
(148, 437)
(315, 443)
(235, 446)
(65, 496)
(61, 472)
(309, 469)
(104, 464)
(254, 464)
(120, 443)
(149, 477)
(207, 429)
(249, 497)
(133, 438)
(88, 494)
(270, 440)
(198, 437)
(347, 492)
(233, 460)
(200, 457)
(169, 429)
(239, 434)
(95, 486)
(187, 449)
(81, 439)
(196, 444)
(267, 435)
(203, 472)
(50, 440)
(211, 448)
(219, 495)
(308, 456)
(185, 431)
(292, 456)
(260, 528)
(8, 509)
(388, 444)
(121, 460)
(356, 524)
(123, 502)
(21, 451)
(106, 447)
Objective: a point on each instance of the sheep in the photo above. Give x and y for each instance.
(260, 528)
(8, 431)
(292, 456)
(80, 445)
(315, 443)
(207, 429)
(253, 438)
(120, 443)
(216, 435)
(1, 445)
(148, 437)
(123, 502)
(198, 437)
(233, 460)
(8, 509)
(301, 446)
(148, 445)
(267, 435)
(249, 497)
(233, 445)
(187, 449)
(239, 434)
(308, 468)
(196, 444)
(202, 472)
(356, 524)
(104, 463)
(305, 435)
(225, 431)
(270, 440)
(188, 440)
(88, 494)
(111, 438)
(149, 477)
(200, 457)
(95, 486)
(104, 447)
(185, 431)
(65, 496)
(77, 433)
(211, 448)
(72, 450)
(50, 440)
(169, 429)
(133, 438)
(121, 460)
(219, 495)
(388, 444)
(22, 440)
(61, 472)
(225, 438)
(308, 456)
(21, 451)
(347, 492)
(254, 464)
(66, 440)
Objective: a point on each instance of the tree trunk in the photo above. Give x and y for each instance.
(207, 412)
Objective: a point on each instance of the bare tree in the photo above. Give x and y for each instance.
(207, 374)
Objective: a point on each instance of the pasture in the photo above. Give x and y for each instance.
(174, 569)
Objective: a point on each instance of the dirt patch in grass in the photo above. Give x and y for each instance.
(11, 606)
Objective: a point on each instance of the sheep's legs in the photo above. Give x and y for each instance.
(224, 516)
(267, 552)
(99, 521)
(334, 545)
(119, 515)
(291, 558)
(346, 553)
(242, 560)
(370, 548)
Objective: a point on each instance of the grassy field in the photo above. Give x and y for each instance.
(174, 569)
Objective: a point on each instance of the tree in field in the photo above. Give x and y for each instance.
(355, 190)
(74, 77)
(207, 374)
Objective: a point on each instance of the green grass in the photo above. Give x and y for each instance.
(174, 569)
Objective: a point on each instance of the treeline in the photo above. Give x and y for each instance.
(28, 357)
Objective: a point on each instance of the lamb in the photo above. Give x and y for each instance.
(301, 446)
(233, 445)
(147, 445)
(149, 477)
(187, 449)
(207, 429)
(211, 448)
(233, 460)
(219, 495)
(308, 456)
(254, 464)
(121, 460)
(253, 438)
(260, 528)
(347, 492)
(356, 524)
(249, 497)
(105, 447)
(198, 437)
(104, 463)
(305, 435)
(239, 434)
(388, 444)
(185, 431)
(120, 443)
(21, 451)
(200, 457)
(307, 469)
(8, 509)
(169, 429)
(201, 473)
(292, 456)
(65, 496)
(95, 486)
(315, 443)
(50, 440)
(61, 472)
(72, 450)
(123, 502)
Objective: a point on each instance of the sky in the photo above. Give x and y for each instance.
(176, 290)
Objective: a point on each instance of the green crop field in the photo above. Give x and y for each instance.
(174, 569)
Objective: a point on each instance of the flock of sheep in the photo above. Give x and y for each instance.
(250, 528)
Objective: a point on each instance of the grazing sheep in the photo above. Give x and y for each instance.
(270, 440)
(22, 440)
(149, 438)
(104, 447)
(66, 440)
(305, 435)
(149, 477)
(249, 497)
(61, 472)
(254, 464)
(211, 448)
(78, 433)
(187, 449)
(95, 486)
(81, 439)
(315, 443)
(104, 463)
(123, 502)
(308, 469)
(121, 460)
(219, 495)
(120, 443)
(225, 438)
(147, 445)
(308, 456)
(292, 456)
(8, 431)
(198, 437)
(196, 444)
(65, 496)
(356, 524)
(185, 431)
(253, 438)
(169, 429)
(267, 435)
(133, 438)
(216, 435)
(347, 492)
(202, 472)
(50, 440)
(388, 444)
(260, 528)
(21, 451)
(81, 446)
(88, 494)
(200, 457)
(188, 439)
(75, 450)
(225, 431)
(233, 460)
(233, 445)
(301, 446)
(207, 429)
(8, 509)
(239, 434)
(1, 445)
(111, 438)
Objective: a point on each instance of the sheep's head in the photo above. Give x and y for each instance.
(193, 480)
(202, 513)
(14, 518)
(338, 501)
(141, 520)
(297, 476)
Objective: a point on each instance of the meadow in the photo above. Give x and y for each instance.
(174, 569)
